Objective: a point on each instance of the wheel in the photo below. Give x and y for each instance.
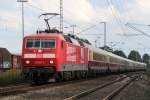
(78, 76)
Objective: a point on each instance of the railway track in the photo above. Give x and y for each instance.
(23, 88)
(121, 82)
(117, 90)
(12, 89)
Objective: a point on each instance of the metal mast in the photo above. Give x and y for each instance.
(73, 28)
(105, 41)
(22, 1)
(61, 16)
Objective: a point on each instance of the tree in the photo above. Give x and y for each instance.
(120, 53)
(146, 58)
(134, 55)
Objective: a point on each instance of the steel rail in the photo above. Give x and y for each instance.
(118, 90)
(11, 90)
(84, 93)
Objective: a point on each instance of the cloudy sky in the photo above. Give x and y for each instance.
(83, 13)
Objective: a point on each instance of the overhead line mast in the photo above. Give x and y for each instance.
(61, 16)
(22, 1)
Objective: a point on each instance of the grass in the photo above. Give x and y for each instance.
(11, 77)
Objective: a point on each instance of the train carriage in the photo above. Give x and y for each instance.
(98, 60)
(16, 61)
(113, 63)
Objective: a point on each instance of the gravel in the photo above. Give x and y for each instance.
(61, 92)
(138, 90)
(101, 93)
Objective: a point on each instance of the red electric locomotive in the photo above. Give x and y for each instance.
(50, 56)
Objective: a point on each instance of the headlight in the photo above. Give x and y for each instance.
(27, 62)
(39, 50)
(51, 62)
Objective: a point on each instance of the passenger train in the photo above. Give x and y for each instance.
(51, 55)
(54, 56)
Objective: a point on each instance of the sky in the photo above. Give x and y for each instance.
(83, 14)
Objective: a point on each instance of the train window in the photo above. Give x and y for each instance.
(48, 43)
(67, 38)
(40, 43)
(113, 60)
(99, 57)
(30, 43)
(37, 43)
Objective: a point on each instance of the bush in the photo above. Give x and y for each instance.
(11, 77)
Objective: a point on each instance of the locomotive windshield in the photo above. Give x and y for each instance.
(40, 43)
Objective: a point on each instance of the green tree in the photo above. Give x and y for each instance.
(135, 55)
(146, 58)
(120, 53)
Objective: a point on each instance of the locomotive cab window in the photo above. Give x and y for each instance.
(40, 43)
(30, 43)
(48, 43)
(37, 43)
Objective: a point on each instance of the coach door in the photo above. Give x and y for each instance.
(82, 55)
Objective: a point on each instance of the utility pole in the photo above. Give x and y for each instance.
(95, 43)
(105, 41)
(73, 28)
(61, 16)
(22, 1)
